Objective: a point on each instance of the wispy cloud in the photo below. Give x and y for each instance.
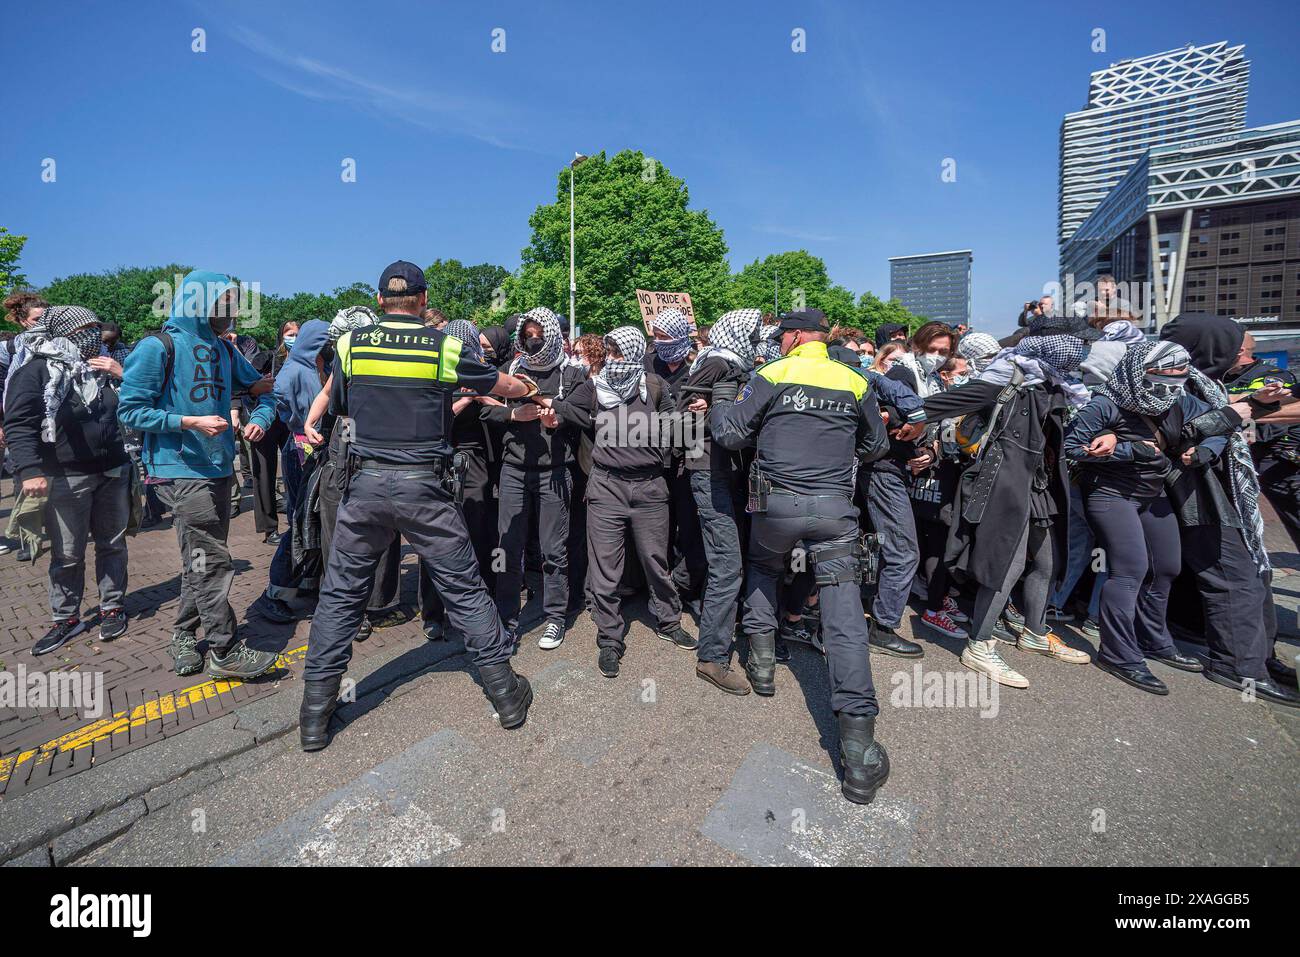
(438, 111)
(799, 234)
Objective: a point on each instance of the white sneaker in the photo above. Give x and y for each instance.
(952, 611)
(551, 638)
(1052, 646)
(943, 624)
(983, 656)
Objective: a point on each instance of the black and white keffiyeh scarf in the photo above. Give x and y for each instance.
(1241, 470)
(979, 349)
(470, 343)
(72, 338)
(1127, 386)
(552, 350)
(346, 320)
(731, 338)
(674, 324)
(1042, 359)
(620, 379)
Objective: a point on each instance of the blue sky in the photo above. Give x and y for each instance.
(230, 159)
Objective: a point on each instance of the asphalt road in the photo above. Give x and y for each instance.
(657, 767)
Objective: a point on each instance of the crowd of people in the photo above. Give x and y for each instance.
(766, 482)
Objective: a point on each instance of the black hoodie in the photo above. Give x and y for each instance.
(1213, 342)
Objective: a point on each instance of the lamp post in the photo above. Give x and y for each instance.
(573, 285)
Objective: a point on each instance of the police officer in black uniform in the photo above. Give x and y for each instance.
(812, 419)
(397, 380)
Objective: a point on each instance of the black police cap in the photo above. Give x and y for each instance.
(401, 269)
(812, 320)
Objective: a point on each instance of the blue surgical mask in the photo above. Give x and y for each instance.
(289, 341)
(865, 360)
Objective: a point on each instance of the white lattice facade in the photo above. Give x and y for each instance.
(1193, 93)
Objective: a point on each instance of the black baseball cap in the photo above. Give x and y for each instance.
(812, 320)
(401, 269)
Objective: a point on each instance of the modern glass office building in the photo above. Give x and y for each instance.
(933, 285)
(1193, 93)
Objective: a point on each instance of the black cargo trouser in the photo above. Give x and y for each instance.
(1234, 598)
(265, 455)
(617, 506)
(815, 523)
(383, 592)
(533, 499)
(1279, 480)
(479, 508)
(380, 504)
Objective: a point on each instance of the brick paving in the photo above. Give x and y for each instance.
(137, 670)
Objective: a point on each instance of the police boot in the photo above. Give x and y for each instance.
(319, 699)
(761, 666)
(866, 765)
(510, 693)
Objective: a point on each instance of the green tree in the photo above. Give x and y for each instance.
(873, 312)
(804, 283)
(274, 310)
(137, 299)
(11, 249)
(463, 292)
(634, 231)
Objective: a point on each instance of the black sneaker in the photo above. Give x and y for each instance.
(608, 662)
(24, 554)
(241, 661)
(275, 610)
(58, 636)
(271, 538)
(112, 624)
(390, 619)
(1003, 633)
(782, 650)
(1091, 628)
(186, 659)
(678, 636)
(365, 631)
(1013, 617)
(434, 630)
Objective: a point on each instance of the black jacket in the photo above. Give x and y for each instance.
(992, 506)
(626, 438)
(530, 445)
(88, 440)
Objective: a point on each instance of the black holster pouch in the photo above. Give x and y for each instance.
(870, 557)
(759, 489)
(455, 477)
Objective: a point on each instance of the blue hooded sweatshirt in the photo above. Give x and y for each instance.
(298, 383)
(204, 371)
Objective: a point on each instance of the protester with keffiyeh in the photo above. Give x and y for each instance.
(536, 486)
(1126, 441)
(628, 413)
(66, 445)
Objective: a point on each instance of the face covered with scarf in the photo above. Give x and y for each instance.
(676, 330)
(978, 348)
(468, 334)
(78, 325)
(1062, 354)
(539, 353)
(622, 378)
(1149, 378)
(735, 338)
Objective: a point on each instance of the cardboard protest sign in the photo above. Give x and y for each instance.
(652, 303)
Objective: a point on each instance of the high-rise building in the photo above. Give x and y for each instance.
(933, 285)
(1193, 93)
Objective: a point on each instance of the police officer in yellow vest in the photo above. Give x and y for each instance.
(396, 381)
(812, 419)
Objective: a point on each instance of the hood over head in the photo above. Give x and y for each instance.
(1212, 341)
(192, 304)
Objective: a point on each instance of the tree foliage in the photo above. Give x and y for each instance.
(634, 230)
(874, 312)
(804, 284)
(466, 292)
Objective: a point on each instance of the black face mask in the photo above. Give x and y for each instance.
(533, 345)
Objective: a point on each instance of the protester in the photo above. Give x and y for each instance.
(61, 426)
(174, 389)
(1127, 440)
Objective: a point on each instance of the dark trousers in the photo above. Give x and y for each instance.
(815, 522)
(479, 509)
(283, 580)
(1143, 557)
(933, 539)
(533, 499)
(889, 512)
(1279, 480)
(577, 546)
(379, 505)
(715, 505)
(265, 455)
(1033, 564)
(201, 516)
(619, 509)
(383, 592)
(1234, 595)
(686, 557)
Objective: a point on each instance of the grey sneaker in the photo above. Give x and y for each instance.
(241, 662)
(186, 659)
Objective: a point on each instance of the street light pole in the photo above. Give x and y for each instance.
(573, 285)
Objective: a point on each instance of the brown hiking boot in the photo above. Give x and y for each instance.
(720, 675)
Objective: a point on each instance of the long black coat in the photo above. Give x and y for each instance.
(991, 508)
